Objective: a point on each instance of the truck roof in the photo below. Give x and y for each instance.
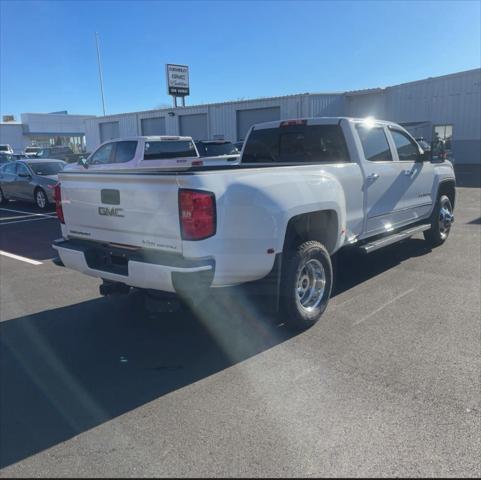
(152, 138)
(319, 121)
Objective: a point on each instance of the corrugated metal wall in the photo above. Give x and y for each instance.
(248, 117)
(451, 99)
(152, 126)
(12, 134)
(194, 125)
(221, 117)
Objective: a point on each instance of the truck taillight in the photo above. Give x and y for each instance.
(57, 196)
(197, 214)
(290, 123)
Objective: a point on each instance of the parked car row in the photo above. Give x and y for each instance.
(58, 152)
(30, 180)
(33, 177)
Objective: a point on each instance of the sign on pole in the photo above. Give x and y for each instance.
(177, 80)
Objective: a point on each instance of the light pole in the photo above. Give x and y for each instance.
(100, 72)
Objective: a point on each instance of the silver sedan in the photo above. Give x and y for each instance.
(30, 180)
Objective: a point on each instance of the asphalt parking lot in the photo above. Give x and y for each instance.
(387, 384)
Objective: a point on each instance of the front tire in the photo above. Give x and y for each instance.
(40, 198)
(441, 221)
(306, 285)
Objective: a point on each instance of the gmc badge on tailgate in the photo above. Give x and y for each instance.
(111, 211)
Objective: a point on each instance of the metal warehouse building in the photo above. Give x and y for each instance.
(446, 107)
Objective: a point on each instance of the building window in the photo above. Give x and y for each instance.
(76, 143)
(442, 141)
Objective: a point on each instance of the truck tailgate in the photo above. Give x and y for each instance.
(130, 209)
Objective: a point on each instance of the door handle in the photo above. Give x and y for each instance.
(373, 176)
(408, 172)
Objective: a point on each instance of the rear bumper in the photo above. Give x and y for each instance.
(141, 268)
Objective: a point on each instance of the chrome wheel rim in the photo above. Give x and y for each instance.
(446, 218)
(310, 284)
(41, 200)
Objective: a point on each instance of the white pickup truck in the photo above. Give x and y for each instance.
(160, 152)
(304, 189)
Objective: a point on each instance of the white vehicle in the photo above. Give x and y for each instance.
(304, 189)
(6, 148)
(30, 152)
(143, 153)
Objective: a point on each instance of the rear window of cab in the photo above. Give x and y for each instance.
(296, 144)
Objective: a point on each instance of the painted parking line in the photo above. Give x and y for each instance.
(16, 217)
(398, 297)
(4, 224)
(18, 257)
(27, 213)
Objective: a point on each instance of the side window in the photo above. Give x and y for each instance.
(10, 168)
(407, 149)
(262, 146)
(374, 144)
(102, 155)
(22, 169)
(125, 151)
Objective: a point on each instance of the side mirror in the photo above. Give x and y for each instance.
(24, 175)
(424, 157)
(83, 161)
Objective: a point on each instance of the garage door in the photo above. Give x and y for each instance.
(194, 126)
(109, 130)
(247, 118)
(153, 126)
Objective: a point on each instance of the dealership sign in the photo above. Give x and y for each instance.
(177, 80)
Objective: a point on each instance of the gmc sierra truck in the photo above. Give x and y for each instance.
(303, 190)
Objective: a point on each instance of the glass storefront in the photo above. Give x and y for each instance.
(76, 143)
(442, 141)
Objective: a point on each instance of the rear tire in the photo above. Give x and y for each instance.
(40, 198)
(441, 221)
(306, 285)
(3, 200)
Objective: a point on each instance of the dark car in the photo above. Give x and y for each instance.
(59, 153)
(215, 148)
(30, 180)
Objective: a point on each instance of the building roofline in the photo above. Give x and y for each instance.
(63, 115)
(216, 104)
(367, 91)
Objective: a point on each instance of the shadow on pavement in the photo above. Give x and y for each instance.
(72, 368)
(28, 236)
(353, 267)
(468, 176)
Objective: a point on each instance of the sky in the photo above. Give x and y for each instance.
(235, 49)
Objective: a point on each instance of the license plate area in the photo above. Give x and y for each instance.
(107, 260)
